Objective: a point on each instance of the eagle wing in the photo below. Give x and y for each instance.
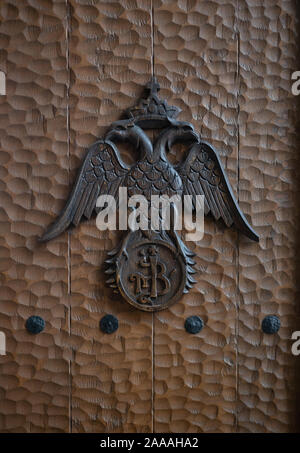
(101, 173)
(202, 173)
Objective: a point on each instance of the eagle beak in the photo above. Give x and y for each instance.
(190, 137)
(111, 135)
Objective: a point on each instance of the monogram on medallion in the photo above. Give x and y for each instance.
(151, 276)
(147, 285)
(152, 269)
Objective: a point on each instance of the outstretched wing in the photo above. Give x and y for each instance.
(202, 173)
(101, 173)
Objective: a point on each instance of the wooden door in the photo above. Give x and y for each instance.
(72, 68)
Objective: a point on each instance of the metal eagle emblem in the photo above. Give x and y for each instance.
(150, 268)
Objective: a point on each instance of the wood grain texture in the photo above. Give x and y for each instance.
(72, 68)
(195, 57)
(268, 192)
(34, 374)
(246, 48)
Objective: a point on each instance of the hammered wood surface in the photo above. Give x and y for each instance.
(34, 182)
(110, 59)
(73, 67)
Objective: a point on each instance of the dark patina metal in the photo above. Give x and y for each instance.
(35, 324)
(270, 324)
(152, 269)
(193, 324)
(109, 324)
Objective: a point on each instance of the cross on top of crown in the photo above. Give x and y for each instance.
(153, 86)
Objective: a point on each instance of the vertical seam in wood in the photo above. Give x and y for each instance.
(153, 315)
(238, 234)
(152, 38)
(153, 371)
(67, 28)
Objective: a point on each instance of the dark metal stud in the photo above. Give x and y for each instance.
(270, 324)
(193, 324)
(109, 324)
(35, 324)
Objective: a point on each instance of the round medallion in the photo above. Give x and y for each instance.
(152, 276)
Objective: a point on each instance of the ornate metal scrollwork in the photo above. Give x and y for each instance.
(151, 269)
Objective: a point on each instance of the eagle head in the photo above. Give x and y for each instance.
(131, 133)
(182, 133)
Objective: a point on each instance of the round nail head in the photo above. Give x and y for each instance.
(109, 324)
(35, 324)
(194, 324)
(270, 324)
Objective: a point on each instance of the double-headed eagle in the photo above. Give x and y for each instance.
(201, 173)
